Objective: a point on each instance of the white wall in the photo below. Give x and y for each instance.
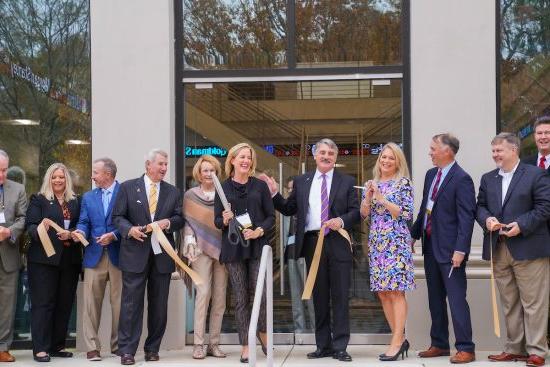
(132, 82)
(453, 89)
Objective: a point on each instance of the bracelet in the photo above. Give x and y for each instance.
(261, 231)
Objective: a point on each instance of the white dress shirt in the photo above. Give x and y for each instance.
(506, 179)
(313, 218)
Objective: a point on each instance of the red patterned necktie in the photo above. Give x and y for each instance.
(432, 198)
(542, 162)
(324, 202)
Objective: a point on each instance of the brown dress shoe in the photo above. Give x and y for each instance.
(535, 361)
(151, 356)
(93, 355)
(507, 357)
(463, 357)
(434, 352)
(5, 356)
(127, 359)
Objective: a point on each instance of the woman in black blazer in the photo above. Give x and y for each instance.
(53, 280)
(251, 202)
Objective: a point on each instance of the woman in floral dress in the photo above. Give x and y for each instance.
(388, 206)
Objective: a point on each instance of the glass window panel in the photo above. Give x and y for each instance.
(229, 34)
(44, 104)
(525, 67)
(348, 33)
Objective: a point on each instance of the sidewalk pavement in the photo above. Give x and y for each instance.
(285, 355)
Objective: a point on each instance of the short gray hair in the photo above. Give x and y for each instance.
(108, 164)
(448, 140)
(510, 138)
(4, 155)
(152, 155)
(326, 141)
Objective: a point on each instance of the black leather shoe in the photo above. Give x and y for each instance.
(61, 354)
(342, 356)
(127, 359)
(151, 356)
(45, 358)
(320, 353)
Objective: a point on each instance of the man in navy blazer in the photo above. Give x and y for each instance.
(445, 224)
(143, 263)
(513, 209)
(100, 256)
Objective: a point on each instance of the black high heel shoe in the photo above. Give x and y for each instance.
(244, 359)
(264, 347)
(401, 352)
(406, 346)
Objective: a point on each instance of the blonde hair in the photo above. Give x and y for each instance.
(400, 162)
(233, 153)
(209, 159)
(46, 188)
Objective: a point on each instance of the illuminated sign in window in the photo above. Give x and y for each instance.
(195, 152)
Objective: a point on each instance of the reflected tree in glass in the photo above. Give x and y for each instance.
(525, 66)
(45, 77)
(228, 34)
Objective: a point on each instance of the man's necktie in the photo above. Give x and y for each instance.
(324, 202)
(542, 162)
(432, 198)
(153, 199)
(106, 200)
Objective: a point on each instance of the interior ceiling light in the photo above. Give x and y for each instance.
(339, 165)
(76, 142)
(21, 122)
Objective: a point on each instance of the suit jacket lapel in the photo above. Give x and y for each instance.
(305, 196)
(162, 195)
(515, 179)
(334, 187)
(142, 196)
(448, 178)
(497, 182)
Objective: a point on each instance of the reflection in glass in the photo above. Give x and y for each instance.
(44, 102)
(348, 33)
(227, 34)
(283, 120)
(525, 67)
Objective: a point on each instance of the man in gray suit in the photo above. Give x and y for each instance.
(13, 205)
(513, 207)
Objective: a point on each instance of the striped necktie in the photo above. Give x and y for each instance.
(324, 201)
(153, 199)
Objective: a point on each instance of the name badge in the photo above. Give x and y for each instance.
(244, 220)
(66, 223)
(2, 217)
(429, 206)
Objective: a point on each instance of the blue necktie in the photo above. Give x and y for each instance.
(105, 198)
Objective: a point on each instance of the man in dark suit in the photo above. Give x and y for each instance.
(445, 223)
(325, 196)
(13, 205)
(100, 256)
(143, 263)
(513, 208)
(542, 158)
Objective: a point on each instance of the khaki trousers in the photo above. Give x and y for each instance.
(95, 282)
(8, 301)
(214, 275)
(524, 287)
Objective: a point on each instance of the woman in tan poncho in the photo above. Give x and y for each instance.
(201, 246)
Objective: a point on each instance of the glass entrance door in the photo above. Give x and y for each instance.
(283, 120)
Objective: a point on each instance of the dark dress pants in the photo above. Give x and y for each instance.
(331, 288)
(52, 290)
(441, 287)
(131, 308)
